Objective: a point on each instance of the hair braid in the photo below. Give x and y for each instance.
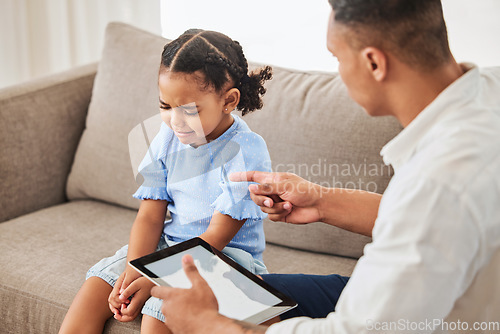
(243, 63)
(215, 58)
(251, 85)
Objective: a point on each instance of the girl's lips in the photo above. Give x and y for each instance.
(183, 134)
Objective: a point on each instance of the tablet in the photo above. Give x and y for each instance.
(241, 295)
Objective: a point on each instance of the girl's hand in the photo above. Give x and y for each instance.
(114, 297)
(133, 299)
(123, 282)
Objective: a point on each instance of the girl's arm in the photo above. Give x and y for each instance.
(147, 229)
(221, 230)
(144, 238)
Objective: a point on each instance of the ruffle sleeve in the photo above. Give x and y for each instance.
(153, 169)
(155, 182)
(235, 198)
(232, 204)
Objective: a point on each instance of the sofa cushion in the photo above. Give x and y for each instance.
(285, 260)
(125, 94)
(314, 129)
(41, 122)
(46, 255)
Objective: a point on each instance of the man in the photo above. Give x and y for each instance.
(437, 226)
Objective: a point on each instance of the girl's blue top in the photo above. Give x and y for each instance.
(195, 183)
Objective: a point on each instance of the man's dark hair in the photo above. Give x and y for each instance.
(220, 60)
(414, 31)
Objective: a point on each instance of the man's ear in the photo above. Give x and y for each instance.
(231, 99)
(376, 62)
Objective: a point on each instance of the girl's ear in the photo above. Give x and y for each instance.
(231, 100)
(376, 62)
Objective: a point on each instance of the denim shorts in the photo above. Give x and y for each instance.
(110, 268)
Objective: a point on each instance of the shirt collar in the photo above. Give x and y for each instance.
(402, 147)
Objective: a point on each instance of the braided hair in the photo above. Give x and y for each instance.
(221, 60)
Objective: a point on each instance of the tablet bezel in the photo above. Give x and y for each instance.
(286, 302)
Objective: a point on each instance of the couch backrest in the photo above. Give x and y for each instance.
(309, 122)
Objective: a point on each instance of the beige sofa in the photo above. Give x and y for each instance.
(67, 177)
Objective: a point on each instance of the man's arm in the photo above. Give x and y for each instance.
(289, 198)
(349, 209)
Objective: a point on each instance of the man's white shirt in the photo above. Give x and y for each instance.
(438, 223)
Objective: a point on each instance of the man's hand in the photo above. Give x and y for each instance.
(195, 310)
(188, 310)
(284, 196)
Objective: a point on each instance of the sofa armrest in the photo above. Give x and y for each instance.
(41, 122)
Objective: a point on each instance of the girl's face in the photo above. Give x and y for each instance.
(196, 115)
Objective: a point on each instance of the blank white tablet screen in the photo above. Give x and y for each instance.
(237, 295)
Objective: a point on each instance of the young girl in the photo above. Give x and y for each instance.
(203, 77)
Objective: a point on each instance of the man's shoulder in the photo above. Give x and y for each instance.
(490, 87)
(457, 150)
(491, 74)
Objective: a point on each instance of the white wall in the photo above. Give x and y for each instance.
(39, 37)
(292, 33)
(474, 30)
(278, 32)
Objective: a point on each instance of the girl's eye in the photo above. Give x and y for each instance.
(190, 113)
(186, 111)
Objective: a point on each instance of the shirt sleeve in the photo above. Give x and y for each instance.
(153, 169)
(245, 152)
(425, 253)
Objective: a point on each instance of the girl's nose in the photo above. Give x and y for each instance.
(177, 119)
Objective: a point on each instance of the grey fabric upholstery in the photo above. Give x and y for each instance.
(41, 123)
(49, 253)
(286, 260)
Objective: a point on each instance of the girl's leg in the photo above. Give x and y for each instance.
(153, 325)
(89, 310)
